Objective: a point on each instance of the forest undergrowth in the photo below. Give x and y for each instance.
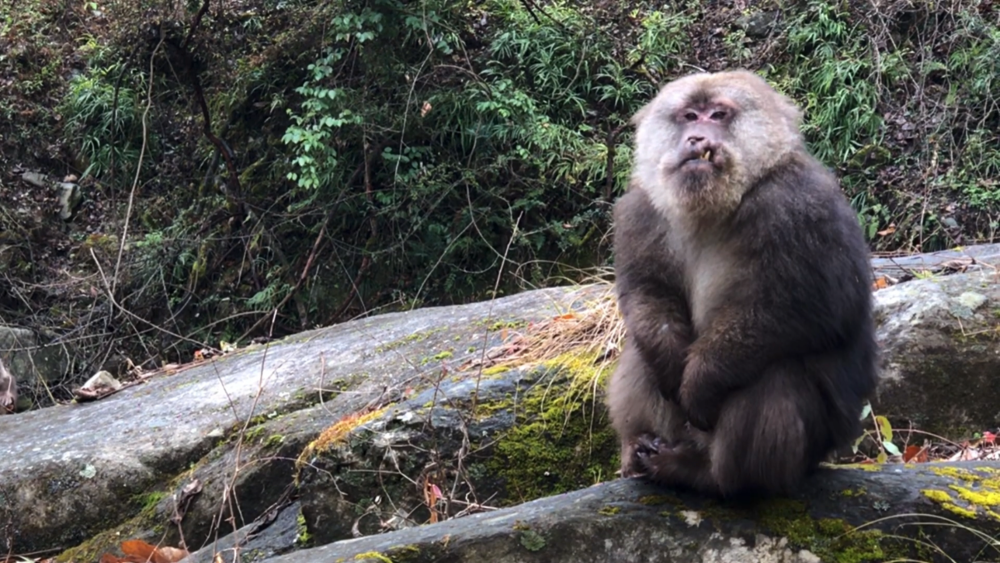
(253, 168)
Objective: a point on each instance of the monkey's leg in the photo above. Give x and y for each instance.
(637, 407)
(770, 434)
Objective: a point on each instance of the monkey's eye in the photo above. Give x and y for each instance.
(691, 116)
(718, 115)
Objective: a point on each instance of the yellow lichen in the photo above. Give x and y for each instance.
(372, 555)
(955, 473)
(337, 433)
(936, 496)
(493, 370)
(860, 466)
(947, 503)
(984, 497)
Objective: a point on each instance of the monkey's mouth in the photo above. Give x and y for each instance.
(708, 158)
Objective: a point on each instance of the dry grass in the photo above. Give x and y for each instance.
(594, 329)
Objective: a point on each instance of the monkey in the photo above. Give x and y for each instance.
(742, 276)
(8, 390)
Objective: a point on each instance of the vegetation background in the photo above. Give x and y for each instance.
(253, 168)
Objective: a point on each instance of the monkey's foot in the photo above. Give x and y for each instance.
(648, 445)
(7, 403)
(676, 462)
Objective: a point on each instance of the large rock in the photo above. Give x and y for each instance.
(940, 364)
(893, 513)
(32, 359)
(387, 423)
(237, 423)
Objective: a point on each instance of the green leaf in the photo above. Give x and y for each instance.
(890, 447)
(884, 427)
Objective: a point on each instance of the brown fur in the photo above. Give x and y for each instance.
(744, 282)
(8, 391)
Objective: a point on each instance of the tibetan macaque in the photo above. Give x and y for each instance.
(8, 390)
(743, 278)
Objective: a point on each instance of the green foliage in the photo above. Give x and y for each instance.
(442, 158)
(973, 78)
(426, 151)
(103, 122)
(836, 80)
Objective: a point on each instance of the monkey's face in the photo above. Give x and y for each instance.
(703, 143)
(706, 138)
(686, 154)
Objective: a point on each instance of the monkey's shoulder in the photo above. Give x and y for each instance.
(803, 190)
(637, 219)
(635, 206)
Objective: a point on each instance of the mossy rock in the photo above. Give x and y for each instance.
(471, 439)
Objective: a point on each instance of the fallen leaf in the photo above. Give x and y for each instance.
(138, 551)
(915, 454)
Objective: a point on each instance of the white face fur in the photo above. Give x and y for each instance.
(764, 130)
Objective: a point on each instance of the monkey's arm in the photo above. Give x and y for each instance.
(650, 295)
(658, 326)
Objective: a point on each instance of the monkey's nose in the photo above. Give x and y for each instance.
(695, 139)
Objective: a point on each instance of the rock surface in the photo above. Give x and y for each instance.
(32, 360)
(72, 471)
(364, 420)
(843, 514)
(940, 340)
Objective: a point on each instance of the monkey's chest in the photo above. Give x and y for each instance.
(710, 277)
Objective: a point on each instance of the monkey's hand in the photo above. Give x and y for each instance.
(700, 403)
(631, 462)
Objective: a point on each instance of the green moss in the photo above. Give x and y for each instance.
(302, 538)
(404, 554)
(532, 540)
(609, 510)
(496, 326)
(657, 500)
(415, 337)
(494, 370)
(556, 445)
(148, 501)
(828, 538)
(254, 433)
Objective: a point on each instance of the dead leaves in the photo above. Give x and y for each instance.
(138, 551)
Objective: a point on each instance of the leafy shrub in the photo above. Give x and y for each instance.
(103, 119)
